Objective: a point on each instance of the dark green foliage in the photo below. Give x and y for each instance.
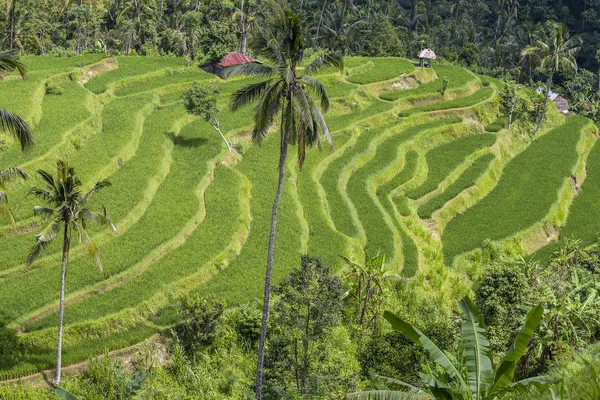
(201, 100)
(308, 306)
(106, 378)
(501, 295)
(200, 318)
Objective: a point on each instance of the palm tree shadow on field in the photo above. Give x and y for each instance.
(186, 142)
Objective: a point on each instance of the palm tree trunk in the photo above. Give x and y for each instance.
(265, 312)
(78, 36)
(545, 103)
(319, 25)
(61, 307)
(244, 45)
(510, 114)
(365, 303)
(305, 361)
(12, 24)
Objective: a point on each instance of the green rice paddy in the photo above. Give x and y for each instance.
(192, 217)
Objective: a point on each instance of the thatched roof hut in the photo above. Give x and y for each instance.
(426, 54)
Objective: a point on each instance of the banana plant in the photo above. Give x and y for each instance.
(472, 375)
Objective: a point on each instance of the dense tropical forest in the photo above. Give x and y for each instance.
(333, 218)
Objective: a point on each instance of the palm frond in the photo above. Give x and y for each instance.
(98, 186)
(9, 61)
(13, 124)
(43, 238)
(97, 218)
(266, 110)
(325, 60)
(6, 212)
(248, 94)
(320, 121)
(319, 89)
(44, 194)
(90, 246)
(250, 69)
(8, 174)
(43, 211)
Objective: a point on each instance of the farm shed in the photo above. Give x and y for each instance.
(426, 54)
(229, 60)
(561, 103)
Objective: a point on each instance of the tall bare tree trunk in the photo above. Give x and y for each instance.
(12, 24)
(319, 24)
(244, 31)
(61, 307)
(545, 103)
(265, 311)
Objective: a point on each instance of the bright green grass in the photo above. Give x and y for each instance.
(55, 122)
(130, 67)
(338, 208)
(382, 69)
(460, 102)
(443, 159)
(410, 166)
(528, 187)
(49, 64)
(35, 360)
(379, 235)
(458, 77)
(323, 241)
(411, 255)
(170, 78)
(164, 218)
(260, 166)
(583, 221)
(211, 237)
(466, 180)
(128, 183)
(496, 126)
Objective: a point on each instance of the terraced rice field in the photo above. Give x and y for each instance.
(414, 175)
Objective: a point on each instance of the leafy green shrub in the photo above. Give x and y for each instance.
(53, 88)
(200, 318)
(501, 295)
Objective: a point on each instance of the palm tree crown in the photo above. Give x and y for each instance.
(557, 50)
(67, 205)
(286, 90)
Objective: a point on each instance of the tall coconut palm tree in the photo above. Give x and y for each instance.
(559, 49)
(14, 125)
(286, 92)
(67, 207)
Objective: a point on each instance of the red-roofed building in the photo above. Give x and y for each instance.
(230, 60)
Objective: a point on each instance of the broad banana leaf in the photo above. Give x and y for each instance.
(419, 338)
(477, 349)
(386, 395)
(505, 372)
(524, 386)
(63, 394)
